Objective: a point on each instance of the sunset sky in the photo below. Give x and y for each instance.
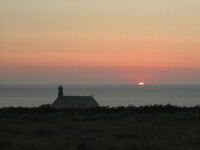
(99, 41)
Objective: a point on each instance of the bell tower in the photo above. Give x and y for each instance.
(60, 91)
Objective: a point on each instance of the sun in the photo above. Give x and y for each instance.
(141, 83)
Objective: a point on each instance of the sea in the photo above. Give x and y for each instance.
(105, 95)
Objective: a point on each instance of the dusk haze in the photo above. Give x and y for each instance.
(99, 74)
(99, 42)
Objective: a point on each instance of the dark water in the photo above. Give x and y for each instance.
(106, 95)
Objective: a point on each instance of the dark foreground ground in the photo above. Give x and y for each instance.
(143, 128)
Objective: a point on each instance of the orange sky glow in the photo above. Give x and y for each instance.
(89, 42)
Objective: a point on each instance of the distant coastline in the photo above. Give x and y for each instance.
(105, 95)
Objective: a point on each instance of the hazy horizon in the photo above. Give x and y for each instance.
(100, 42)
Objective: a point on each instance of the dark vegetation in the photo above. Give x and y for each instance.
(123, 128)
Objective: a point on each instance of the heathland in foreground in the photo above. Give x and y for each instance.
(130, 128)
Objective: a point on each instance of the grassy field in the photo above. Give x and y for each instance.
(131, 128)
